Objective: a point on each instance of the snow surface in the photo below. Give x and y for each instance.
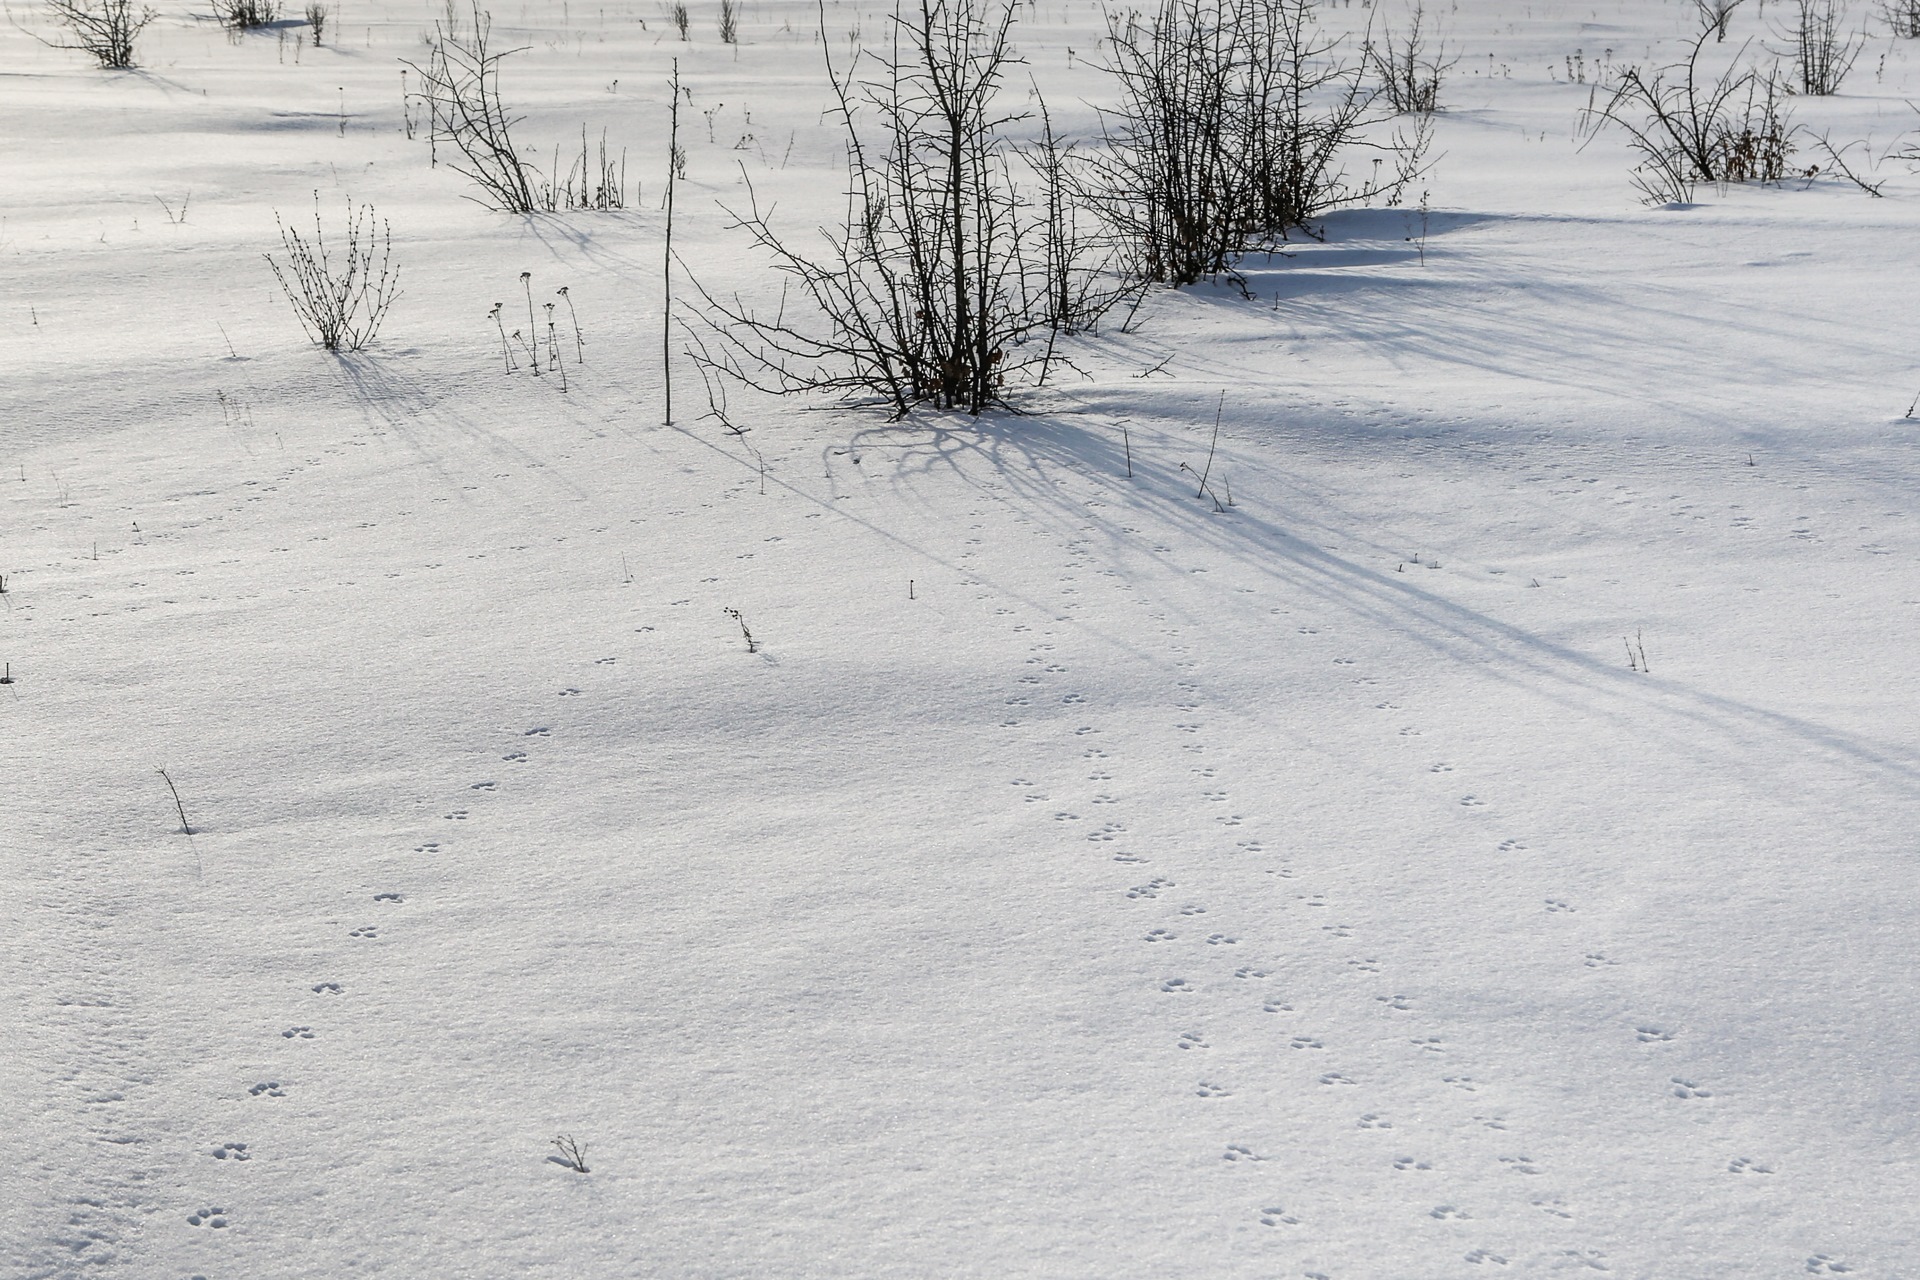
(1076, 881)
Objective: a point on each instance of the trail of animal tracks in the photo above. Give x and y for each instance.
(1485, 847)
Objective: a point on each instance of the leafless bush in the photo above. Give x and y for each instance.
(681, 19)
(1688, 129)
(1823, 49)
(1409, 72)
(340, 304)
(1235, 125)
(460, 86)
(1716, 16)
(1903, 16)
(245, 15)
(935, 284)
(104, 28)
(729, 22)
(317, 19)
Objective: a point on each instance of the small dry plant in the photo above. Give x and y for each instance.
(1903, 16)
(729, 22)
(1690, 129)
(317, 15)
(340, 303)
(1409, 71)
(104, 28)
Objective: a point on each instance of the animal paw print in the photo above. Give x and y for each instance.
(515, 757)
(1151, 889)
(1473, 802)
(1247, 971)
(1306, 1042)
(1159, 935)
(364, 931)
(1688, 1089)
(1365, 964)
(268, 1089)
(1177, 986)
(458, 815)
(1511, 846)
(1553, 1205)
(1192, 1040)
(1237, 1152)
(569, 692)
(1106, 832)
(1066, 817)
(1493, 1122)
(1277, 1006)
(1442, 767)
(1823, 1264)
(1556, 904)
(297, 1033)
(1479, 1256)
(1466, 1083)
(1072, 699)
(1336, 1077)
(1104, 798)
(230, 1151)
(1520, 1164)
(1373, 1121)
(1250, 846)
(329, 989)
(1652, 1035)
(483, 786)
(1337, 930)
(1230, 819)
(1193, 909)
(1402, 1003)
(1343, 662)
(388, 897)
(1598, 960)
(1447, 1212)
(1188, 727)
(1083, 731)
(215, 1218)
(1407, 1164)
(538, 731)
(1099, 775)
(1431, 1044)
(1315, 900)
(1217, 797)
(1124, 856)
(1746, 1165)
(431, 846)
(1207, 1089)
(1221, 940)
(1277, 1217)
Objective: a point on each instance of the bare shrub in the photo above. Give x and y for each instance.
(1903, 16)
(935, 283)
(245, 15)
(1689, 129)
(106, 29)
(460, 86)
(1409, 72)
(1235, 125)
(340, 304)
(729, 22)
(592, 182)
(681, 19)
(1823, 48)
(317, 19)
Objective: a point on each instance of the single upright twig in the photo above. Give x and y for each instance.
(185, 830)
(533, 334)
(1214, 444)
(666, 264)
(579, 343)
(746, 634)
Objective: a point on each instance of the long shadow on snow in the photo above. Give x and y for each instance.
(1018, 453)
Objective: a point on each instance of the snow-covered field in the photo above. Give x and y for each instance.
(1076, 880)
